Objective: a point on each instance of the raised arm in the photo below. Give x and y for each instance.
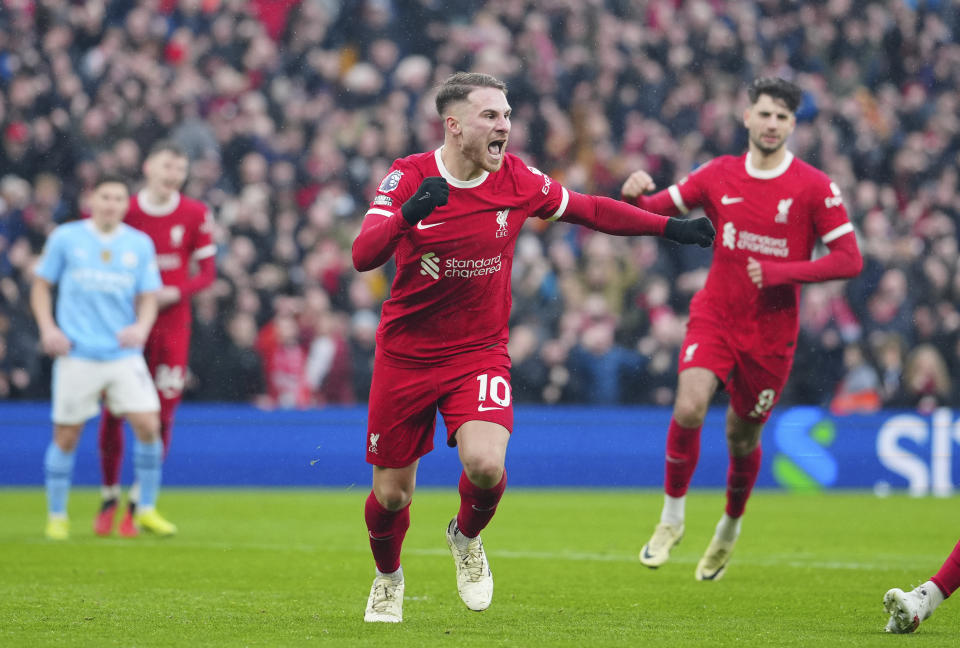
(377, 239)
(640, 183)
(381, 232)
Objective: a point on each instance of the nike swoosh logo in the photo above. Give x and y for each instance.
(646, 552)
(421, 226)
(482, 408)
(727, 200)
(714, 575)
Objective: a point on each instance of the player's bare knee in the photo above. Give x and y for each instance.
(146, 426)
(394, 497)
(742, 443)
(739, 448)
(66, 437)
(483, 472)
(689, 412)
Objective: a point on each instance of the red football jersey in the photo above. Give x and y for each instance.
(451, 293)
(180, 231)
(776, 215)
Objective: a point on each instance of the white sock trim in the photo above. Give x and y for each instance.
(934, 595)
(728, 528)
(133, 495)
(110, 492)
(461, 539)
(674, 510)
(397, 575)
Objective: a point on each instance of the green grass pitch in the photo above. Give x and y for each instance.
(292, 568)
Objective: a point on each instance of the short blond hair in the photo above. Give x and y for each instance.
(459, 86)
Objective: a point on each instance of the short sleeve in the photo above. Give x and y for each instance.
(829, 214)
(401, 182)
(548, 199)
(53, 259)
(203, 245)
(149, 274)
(688, 193)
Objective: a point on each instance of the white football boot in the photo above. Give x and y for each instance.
(474, 579)
(715, 559)
(385, 604)
(665, 537)
(907, 609)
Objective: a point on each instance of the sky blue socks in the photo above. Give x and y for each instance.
(58, 470)
(147, 462)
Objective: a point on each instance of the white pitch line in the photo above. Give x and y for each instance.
(793, 561)
(770, 561)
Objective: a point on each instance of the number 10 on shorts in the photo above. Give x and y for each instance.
(496, 389)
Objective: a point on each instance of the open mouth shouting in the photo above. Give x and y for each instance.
(495, 149)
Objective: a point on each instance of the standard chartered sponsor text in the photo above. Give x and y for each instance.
(763, 244)
(467, 268)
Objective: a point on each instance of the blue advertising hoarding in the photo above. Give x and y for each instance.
(805, 448)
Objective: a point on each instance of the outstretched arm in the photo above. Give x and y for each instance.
(616, 217)
(842, 262)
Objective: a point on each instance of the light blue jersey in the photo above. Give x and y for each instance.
(99, 277)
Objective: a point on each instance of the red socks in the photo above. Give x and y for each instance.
(111, 439)
(387, 530)
(111, 447)
(683, 451)
(948, 578)
(168, 407)
(741, 476)
(477, 505)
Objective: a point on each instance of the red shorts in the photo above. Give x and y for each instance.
(166, 352)
(404, 401)
(754, 379)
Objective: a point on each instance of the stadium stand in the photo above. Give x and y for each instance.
(292, 111)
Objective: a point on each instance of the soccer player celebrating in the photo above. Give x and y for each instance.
(770, 210)
(908, 609)
(106, 303)
(450, 218)
(180, 231)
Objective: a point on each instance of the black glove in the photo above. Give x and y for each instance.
(433, 193)
(697, 230)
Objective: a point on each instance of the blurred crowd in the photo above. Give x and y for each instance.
(293, 110)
